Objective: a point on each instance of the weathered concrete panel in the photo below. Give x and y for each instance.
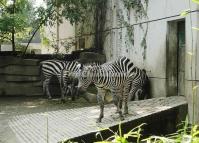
(19, 77)
(9, 60)
(20, 70)
(32, 84)
(89, 57)
(16, 78)
(19, 90)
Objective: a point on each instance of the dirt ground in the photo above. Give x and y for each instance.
(12, 106)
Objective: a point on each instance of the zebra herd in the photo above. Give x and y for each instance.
(121, 77)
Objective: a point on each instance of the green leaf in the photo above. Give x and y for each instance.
(103, 142)
(190, 53)
(185, 12)
(195, 1)
(195, 87)
(195, 28)
(196, 133)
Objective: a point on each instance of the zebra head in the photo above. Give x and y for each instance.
(85, 77)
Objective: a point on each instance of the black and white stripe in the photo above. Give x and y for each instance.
(139, 85)
(116, 76)
(61, 70)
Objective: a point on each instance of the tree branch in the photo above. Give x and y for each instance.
(2, 4)
(40, 24)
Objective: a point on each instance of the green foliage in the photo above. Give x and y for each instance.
(130, 29)
(138, 7)
(15, 19)
(122, 138)
(27, 20)
(196, 1)
(185, 12)
(187, 133)
(72, 10)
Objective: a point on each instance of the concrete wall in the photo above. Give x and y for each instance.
(117, 43)
(66, 33)
(19, 77)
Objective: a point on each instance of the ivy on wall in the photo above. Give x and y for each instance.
(140, 11)
(95, 21)
(124, 23)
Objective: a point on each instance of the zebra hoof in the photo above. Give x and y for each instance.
(121, 118)
(117, 111)
(125, 113)
(99, 121)
(50, 98)
(63, 100)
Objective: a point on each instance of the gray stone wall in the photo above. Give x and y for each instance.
(19, 76)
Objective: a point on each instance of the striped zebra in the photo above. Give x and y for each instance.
(71, 88)
(61, 70)
(139, 86)
(115, 76)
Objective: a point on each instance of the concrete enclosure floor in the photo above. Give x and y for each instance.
(13, 106)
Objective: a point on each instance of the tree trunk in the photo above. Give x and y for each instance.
(100, 19)
(13, 40)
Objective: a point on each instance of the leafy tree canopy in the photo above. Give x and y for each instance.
(20, 20)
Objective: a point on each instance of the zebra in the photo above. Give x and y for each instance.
(115, 76)
(61, 70)
(71, 88)
(139, 86)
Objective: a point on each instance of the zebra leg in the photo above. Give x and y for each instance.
(46, 88)
(62, 93)
(100, 99)
(125, 104)
(132, 94)
(62, 88)
(66, 92)
(140, 94)
(118, 102)
(125, 98)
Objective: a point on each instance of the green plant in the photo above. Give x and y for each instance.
(122, 138)
(188, 134)
(138, 7)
